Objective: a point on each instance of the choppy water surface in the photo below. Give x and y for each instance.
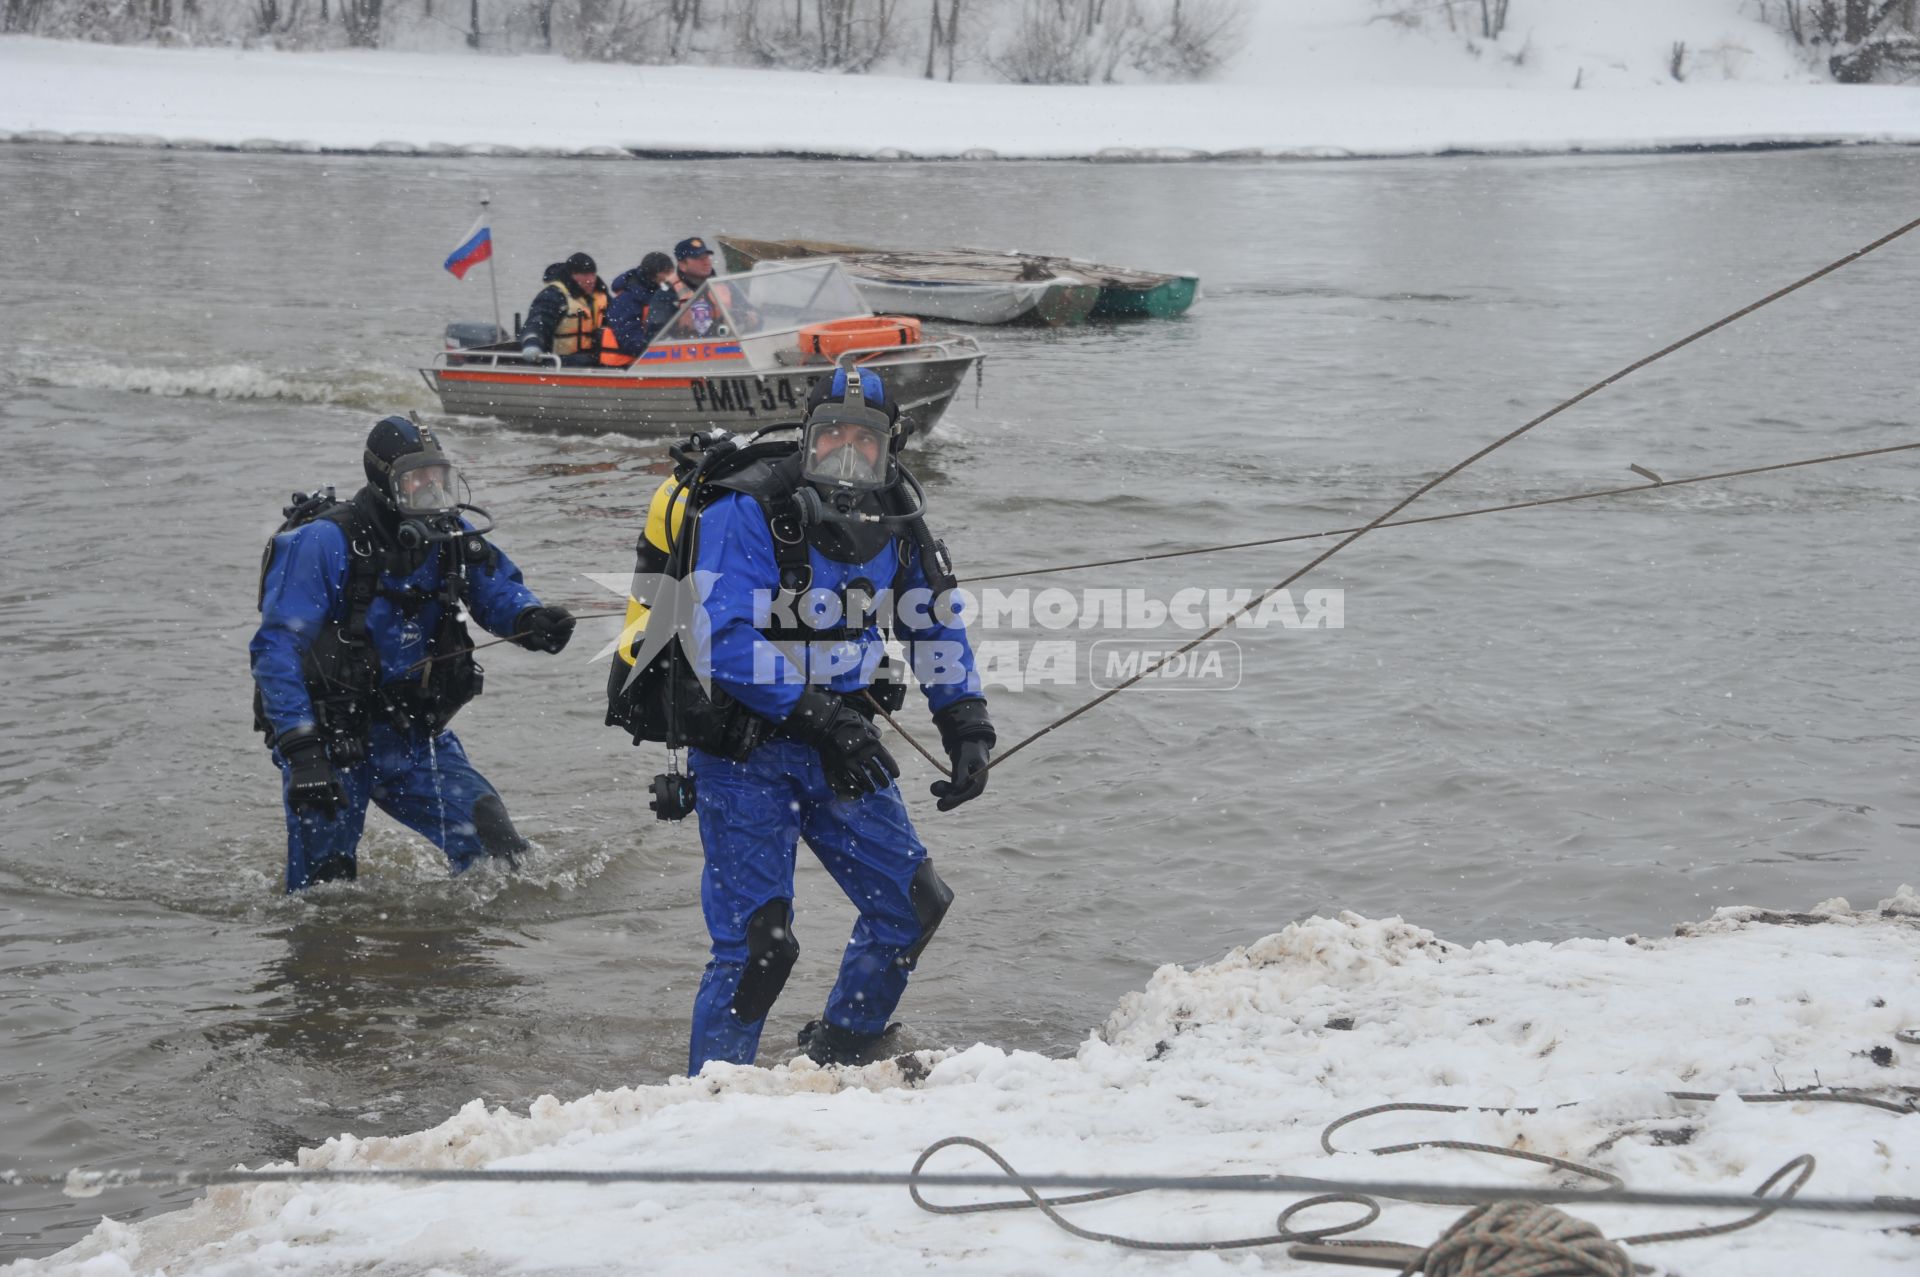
(1596, 719)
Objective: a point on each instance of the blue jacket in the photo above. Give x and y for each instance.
(306, 590)
(736, 548)
(628, 318)
(662, 305)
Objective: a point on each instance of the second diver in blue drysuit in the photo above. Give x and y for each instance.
(361, 659)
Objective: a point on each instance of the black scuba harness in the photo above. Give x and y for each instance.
(664, 702)
(341, 669)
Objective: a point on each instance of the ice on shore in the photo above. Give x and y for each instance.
(1235, 1066)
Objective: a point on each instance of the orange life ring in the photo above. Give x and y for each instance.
(837, 336)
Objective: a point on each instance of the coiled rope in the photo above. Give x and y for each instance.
(1515, 1233)
(1514, 1239)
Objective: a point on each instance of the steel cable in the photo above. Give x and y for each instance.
(1149, 670)
(1629, 490)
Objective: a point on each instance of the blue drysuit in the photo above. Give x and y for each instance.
(753, 813)
(425, 783)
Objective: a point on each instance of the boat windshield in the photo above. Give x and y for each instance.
(773, 302)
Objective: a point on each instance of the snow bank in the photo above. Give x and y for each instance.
(1317, 80)
(1233, 1067)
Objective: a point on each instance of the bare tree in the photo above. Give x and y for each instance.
(362, 20)
(1192, 40)
(841, 35)
(942, 35)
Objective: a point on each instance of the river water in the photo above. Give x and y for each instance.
(1589, 720)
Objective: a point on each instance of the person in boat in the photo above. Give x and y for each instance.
(625, 335)
(361, 659)
(645, 277)
(785, 747)
(702, 320)
(567, 314)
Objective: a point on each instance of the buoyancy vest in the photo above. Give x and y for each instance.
(586, 316)
(341, 669)
(611, 354)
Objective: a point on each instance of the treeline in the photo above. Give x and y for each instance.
(1022, 41)
(1854, 41)
(1862, 41)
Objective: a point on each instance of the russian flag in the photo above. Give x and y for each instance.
(477, 247)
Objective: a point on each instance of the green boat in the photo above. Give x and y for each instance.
(981, 286)
(1128, 294)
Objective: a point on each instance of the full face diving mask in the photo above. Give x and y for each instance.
(426, 490)
(848, 444)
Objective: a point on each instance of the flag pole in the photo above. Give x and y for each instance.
(493, 281)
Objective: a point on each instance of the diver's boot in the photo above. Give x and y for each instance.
(825, 1043)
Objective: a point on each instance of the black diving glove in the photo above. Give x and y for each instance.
(544, 629)
(312, 783)
(850, 749)
(967, 734)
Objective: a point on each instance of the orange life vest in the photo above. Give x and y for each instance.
(611, 356)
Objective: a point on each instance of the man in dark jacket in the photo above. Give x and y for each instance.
(695, 267)
(566, 315)
(361, 659)
(626, 332)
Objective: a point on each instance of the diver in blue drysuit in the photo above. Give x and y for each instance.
(822, 774)
(352, 605)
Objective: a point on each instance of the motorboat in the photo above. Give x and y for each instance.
(742, 352)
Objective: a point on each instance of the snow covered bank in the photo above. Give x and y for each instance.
(450, 104)
(1233, 1067)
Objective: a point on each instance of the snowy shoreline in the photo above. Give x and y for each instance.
(1117, 155)
(381, 103)
(1232, 1067)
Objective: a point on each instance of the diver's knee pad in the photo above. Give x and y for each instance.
(931, 899)
(494, 828)
(771, 953)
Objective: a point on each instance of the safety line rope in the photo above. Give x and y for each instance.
(588, 615)
(1149, 670)
(1629, 490)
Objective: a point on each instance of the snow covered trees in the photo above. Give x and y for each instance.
(1031, 41)
(1088, 41)
(1870, 39)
